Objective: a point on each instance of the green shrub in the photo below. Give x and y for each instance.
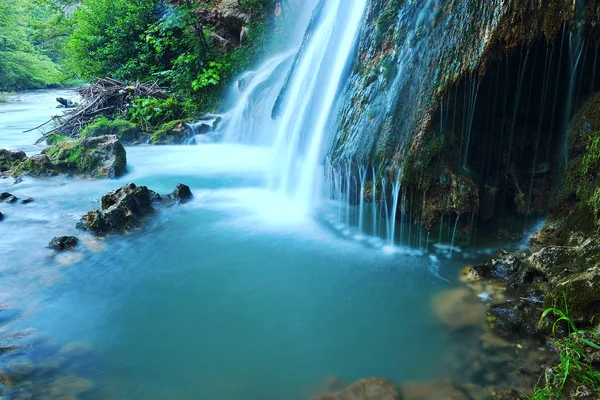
(149, 113)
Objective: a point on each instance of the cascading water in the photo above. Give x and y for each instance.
(303, 103)
(309, 100)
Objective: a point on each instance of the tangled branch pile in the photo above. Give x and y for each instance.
(106, 96)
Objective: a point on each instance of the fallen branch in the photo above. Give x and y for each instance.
(105, 97)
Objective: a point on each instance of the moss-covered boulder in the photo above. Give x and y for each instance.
(582, 294)
(38, 165)
(98, 157)
(127, 132)
(10, 158)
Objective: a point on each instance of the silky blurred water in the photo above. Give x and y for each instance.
(234, 295)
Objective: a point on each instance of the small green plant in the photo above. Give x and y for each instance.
(150, 113)
(574, 367)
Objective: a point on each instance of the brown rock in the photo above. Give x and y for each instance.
(366, 389)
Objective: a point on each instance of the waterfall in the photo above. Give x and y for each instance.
(309, 99)
(289, 102)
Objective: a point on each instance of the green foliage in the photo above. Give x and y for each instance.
(24, 52)
(574, 368)
(149, 113)
(107, 38)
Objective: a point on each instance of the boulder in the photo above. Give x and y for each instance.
(121, 209)
(366, 389)
(62, 243)
(175, 132)
(1, 216)
(581, 292)
(98, 157)
(38, 165)
(517, 318)
(9, 158)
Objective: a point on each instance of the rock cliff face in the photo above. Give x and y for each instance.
(463, 94)
(232, 19)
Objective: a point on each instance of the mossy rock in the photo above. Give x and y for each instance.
(10, 158)
(582, 291)
(127, 132)
(99, 157)
(173, 132)
(38, 165)
(56, 138)
(577, 207)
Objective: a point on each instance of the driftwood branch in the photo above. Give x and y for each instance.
(106, 96)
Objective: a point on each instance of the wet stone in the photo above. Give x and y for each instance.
(182, 193)
(62, 243)
(366, 389)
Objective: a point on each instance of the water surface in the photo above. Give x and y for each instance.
(234, 295)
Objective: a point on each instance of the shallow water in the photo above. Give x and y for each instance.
(27, 110)
(234, 295)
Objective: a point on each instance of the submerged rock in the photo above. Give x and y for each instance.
(366, 389)
(459, 308)
(124, 208)
(69, 387)
(61, 243)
